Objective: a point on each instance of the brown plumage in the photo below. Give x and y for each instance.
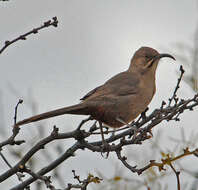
(122, 98)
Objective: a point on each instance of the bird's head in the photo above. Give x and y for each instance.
(146, 59)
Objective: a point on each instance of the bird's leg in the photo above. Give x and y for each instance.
(105, 145)
(101, 131)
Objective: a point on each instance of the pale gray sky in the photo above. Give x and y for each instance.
(94, 41)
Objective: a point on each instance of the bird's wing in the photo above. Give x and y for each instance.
(122, 84)
(90, 93)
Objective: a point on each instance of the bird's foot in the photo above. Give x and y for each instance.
(105, 149)
(105, 146)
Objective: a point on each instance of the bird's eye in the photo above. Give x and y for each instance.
(148, 57)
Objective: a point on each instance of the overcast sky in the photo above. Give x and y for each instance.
(95, 40)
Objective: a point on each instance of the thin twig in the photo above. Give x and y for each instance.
(5, 160)
(45, 179)
(177, 176)
(19, 175)
(53, 22)
(83, 122)
(16, 108)
(15, 131)
(174, 96)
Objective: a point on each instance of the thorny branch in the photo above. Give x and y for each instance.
(53, 22)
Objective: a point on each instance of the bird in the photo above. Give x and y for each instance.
(121, 98)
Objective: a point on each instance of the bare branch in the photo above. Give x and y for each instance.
(53, 22)
(16, 108)
(11, 140)
(174, 97)
(177, 176)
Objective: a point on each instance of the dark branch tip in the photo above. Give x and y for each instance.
(181, 69)
(20, 101)
(55, 18)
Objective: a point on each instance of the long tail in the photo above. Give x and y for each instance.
(78, 109)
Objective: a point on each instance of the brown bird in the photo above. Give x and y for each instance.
(122, 98)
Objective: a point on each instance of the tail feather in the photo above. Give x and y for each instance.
(78, 109)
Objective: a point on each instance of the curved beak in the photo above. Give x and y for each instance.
(157, 57)
(161, 55)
